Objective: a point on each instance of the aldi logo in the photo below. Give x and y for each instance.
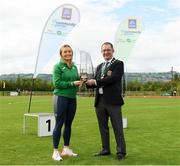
(66, 13)
(132, 23)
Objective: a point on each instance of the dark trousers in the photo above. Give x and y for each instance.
(103, 112)
(64, 111)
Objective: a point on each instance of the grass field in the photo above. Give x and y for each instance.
(152, 136)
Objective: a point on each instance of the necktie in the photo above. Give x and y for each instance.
(104, 69)
(106, 65)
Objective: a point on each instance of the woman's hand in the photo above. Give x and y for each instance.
(77, 83)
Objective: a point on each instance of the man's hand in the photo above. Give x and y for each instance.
(91, 82)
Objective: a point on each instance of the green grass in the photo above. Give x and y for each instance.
(152, 136)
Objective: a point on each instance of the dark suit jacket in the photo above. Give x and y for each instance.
(111, 83)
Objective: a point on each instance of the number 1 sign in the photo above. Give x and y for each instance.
(46, 125)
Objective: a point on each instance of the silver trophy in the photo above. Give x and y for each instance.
(84, 77)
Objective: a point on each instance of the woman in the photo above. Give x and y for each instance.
(65, 81)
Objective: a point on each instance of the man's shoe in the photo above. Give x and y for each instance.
(121, 157)
(56, 156)
(103, 153)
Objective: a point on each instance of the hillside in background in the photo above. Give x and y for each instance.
(140, 77)
(47, 77)
(153, 77)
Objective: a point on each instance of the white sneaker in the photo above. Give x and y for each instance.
(68, 152)
(56, 156)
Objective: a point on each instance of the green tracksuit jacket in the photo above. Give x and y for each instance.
(63, 78)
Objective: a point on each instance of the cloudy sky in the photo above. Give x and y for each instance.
(156, 50)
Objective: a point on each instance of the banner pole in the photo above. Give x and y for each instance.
(30, 98)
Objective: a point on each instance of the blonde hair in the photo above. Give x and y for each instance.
(64, 46)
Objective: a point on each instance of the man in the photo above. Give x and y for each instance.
(108, 100)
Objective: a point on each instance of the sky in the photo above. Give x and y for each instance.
(156, 50)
